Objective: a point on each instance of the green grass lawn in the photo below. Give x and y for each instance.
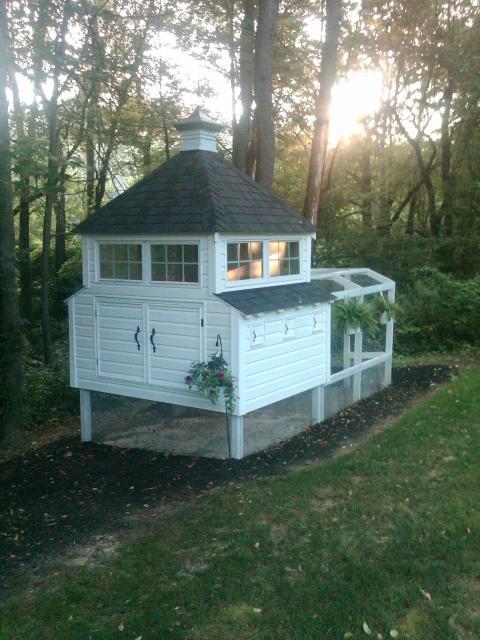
(381, 542)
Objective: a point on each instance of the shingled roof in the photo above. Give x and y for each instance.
(195, 192)
(286, 296)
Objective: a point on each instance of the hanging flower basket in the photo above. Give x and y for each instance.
(384, 310)
(214, 380)
(383, 319)
(353, 316)
(351, 330)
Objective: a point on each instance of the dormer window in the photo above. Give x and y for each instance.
(244, 260)
(174, 262)
(120, 261)
(284, 258)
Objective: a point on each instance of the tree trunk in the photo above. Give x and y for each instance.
(410, 226)
(328, 73)
(96, 68)
(52, 178)
(166, 137)
(23, 153)
(10, 334)
(90, 160)
(24, 251)
(366, 181)
(445, 211)
(147, 155)
(241, 132)
(263, 81)
(60, 229)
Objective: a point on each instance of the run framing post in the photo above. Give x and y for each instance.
(236, 437)
(318, 404)
(389, 342)
(85, 416)
(357, 360)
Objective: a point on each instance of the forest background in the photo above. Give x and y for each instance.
(363, 115)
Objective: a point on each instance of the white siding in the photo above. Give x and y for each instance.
(290, 358)
(86, 373)
(82, 317)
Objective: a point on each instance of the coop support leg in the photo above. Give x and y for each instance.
(318, 404)
(85, 416)
(236, 437)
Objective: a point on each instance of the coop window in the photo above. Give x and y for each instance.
(121, 261)
(284, 258)
(174, 262)
(244, 260)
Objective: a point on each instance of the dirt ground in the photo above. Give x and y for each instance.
(59, 496)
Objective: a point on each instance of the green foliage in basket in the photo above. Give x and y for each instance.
(355, 314)
(382, 305)
(213, 378)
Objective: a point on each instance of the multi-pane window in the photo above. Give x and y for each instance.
(174, 262)
(121, 261)
(284, 258)
(244, 260)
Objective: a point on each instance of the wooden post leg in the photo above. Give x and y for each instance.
(236, 437)
(85, 416)
(357, 361)
(318, 406)
(388, 372)
(389, 344)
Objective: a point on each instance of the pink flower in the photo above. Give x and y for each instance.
(188, 379)
(220, 375)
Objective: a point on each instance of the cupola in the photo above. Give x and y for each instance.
(198, 132)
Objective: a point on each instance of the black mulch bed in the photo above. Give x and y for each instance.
(59, 495)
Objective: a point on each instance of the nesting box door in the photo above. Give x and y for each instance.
(120, 340)
(175, 338)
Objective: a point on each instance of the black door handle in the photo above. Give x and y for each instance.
(136, 337)
(151, 340)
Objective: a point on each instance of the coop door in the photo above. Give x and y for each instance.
(174, 342)
(120, 340)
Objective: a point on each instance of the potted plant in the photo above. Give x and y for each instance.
(213, 378)
(353, 316)
(385, 310)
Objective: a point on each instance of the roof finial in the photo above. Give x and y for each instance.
(198, 131)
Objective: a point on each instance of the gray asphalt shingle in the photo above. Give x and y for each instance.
(286, 296)
(195, 192)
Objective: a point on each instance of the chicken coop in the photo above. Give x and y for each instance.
(197, 261)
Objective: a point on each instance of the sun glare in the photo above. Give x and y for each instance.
(352, 99)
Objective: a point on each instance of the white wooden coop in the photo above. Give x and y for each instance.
(196, 255)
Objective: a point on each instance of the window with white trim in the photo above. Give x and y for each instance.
(174, 262)
(120, 261)
(244, 260)
(284, 258)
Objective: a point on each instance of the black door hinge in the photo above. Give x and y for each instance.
(202, 324)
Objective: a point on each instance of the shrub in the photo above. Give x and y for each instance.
(47, 391)
(439, 313)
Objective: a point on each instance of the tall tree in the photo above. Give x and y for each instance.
(263, 83)
(328, 73)
(10, 337)
(52, 179)
(241, 132)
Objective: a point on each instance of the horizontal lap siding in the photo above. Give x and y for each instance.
(217, 321)
(84, 337)
(217, 318)
(292, 358)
